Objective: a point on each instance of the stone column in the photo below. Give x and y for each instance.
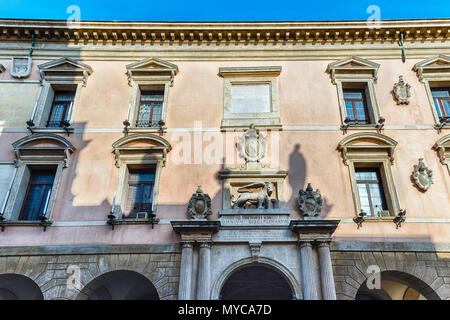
(204, 271)
(308, 276)
(326, 272)
(185, 285)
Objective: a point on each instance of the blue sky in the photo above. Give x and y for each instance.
(225, 10)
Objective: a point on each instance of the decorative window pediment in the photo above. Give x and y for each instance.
(367, 146)
(65, 69)
(140, 147)
(353, 67)
(152, 69)
(442, 146)
(43, 147)
(433, 68)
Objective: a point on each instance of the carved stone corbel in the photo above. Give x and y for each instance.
(255, 249)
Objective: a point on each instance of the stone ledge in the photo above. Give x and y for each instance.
(389, 246)
(90, 249)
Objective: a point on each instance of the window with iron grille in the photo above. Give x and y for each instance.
(61, 108)
(356, 106)
(38, 194)
(140, 191)
(150, 109)
(370, 190)
(441, 98)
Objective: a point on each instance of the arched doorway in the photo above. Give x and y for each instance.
(396, 285)
(256, 282)
(18, 287)
(119, 285)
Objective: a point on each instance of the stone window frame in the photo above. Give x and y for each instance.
(126, 154)
(356, 152)
(59, 74)
(352, 72)
(442, 146)
(430, 72)
(149, 74)
(250, 75)
(55, 152)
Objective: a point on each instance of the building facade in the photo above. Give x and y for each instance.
(284, 160)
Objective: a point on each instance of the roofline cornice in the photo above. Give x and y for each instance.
(61, 30)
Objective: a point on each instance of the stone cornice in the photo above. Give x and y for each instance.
(223, 32)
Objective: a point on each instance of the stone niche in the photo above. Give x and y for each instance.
(253, 188)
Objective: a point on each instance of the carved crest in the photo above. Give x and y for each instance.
(199, 206)
(402, 91)
(310, 201)
(423, 177)
(252, 145)
(20, 67)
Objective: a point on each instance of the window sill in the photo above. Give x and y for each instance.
(147, 130)
(379, 219)
(244, 123)
(25, 223)
(53, 130)
(136, 221)
(362, 127)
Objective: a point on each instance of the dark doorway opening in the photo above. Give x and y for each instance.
(256, 282)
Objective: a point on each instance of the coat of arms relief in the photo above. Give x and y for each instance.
(20, 67)
(402, 91)
(422, 176)
(252, 185)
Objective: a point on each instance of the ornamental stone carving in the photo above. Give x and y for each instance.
(402, 91)
(310, 201)
(254, 194)
(20, 67)
(199, 206)
(422, 176)
(252, 146)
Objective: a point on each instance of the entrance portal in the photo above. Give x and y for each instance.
(256, 282)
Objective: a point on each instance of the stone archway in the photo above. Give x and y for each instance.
(245, 279)
(119, 285)
(18, 287)
(396, 285)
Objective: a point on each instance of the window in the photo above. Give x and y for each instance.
(140, 191)
(369, 157)
(250, 97)
(61, 108)
(150, 109)
(62, 80)
(150, 81)
(140, 158)
(356, 106)
(355, 80)
(441, 98)
(38, 194)
(370, 190)
(40, 160)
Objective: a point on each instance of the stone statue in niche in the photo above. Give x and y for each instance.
(20, 67)
(199, 206)
(402, 91)
(252, 147)
(255, 194)
(310, 201)
(422, 176)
